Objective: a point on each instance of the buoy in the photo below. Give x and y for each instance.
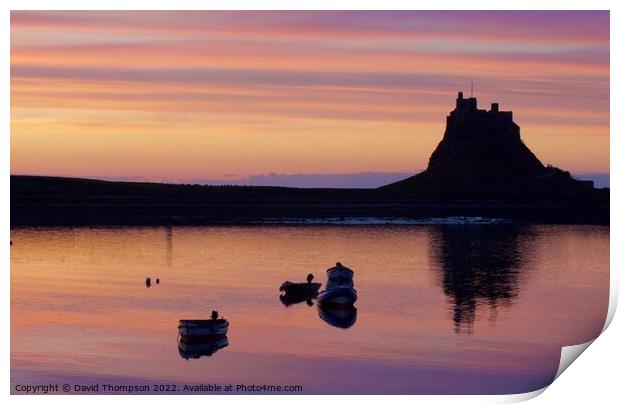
(156, 281)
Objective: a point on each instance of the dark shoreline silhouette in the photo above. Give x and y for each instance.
(480, 168)
(54, 201)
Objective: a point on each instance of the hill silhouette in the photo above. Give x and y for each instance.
(482, 155)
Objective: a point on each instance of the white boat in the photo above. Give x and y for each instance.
(339, 276)
(337, 296)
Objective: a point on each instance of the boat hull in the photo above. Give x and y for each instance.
(339, 282)
(340, 273)
(300, 289)
(339, 277)
(291, 299)
(203, 329)
(337, 296)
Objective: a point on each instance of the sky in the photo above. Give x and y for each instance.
(301, 97)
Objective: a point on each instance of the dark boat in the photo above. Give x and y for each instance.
(291, 299)
(203, 328)
(300, 289)
(299, 292)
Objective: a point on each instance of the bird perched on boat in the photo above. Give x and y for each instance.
(214, 315)
(310, 277)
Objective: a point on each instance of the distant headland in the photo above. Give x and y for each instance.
(481, 167)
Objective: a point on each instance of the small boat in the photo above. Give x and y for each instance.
(194, 348)
(306, 289)
(337, 296)
(203, 328)
(340, 317)
(300, 289)
(339, 275)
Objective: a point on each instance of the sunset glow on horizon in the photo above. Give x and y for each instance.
(212, 95)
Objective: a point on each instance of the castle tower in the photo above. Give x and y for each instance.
(466, 104)
(461, 103)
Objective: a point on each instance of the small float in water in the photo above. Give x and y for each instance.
(203, 328)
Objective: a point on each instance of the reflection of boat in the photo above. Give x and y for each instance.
(341, 317)
(194, 348)
(338, 296)
(300, 289)
(203, 327)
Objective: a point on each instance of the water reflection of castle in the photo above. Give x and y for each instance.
(480, 264)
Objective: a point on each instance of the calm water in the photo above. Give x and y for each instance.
(441, 309)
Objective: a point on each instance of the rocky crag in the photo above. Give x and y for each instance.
(482, 155)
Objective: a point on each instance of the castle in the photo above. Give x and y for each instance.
(470, 105)
(468, 114)
(481, 154)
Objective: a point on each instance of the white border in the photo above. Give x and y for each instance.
(594, 377)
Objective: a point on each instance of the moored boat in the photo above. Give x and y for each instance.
(300, 289)
(203, 328)
(337, 296)
(339, 289)
(339, 276)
